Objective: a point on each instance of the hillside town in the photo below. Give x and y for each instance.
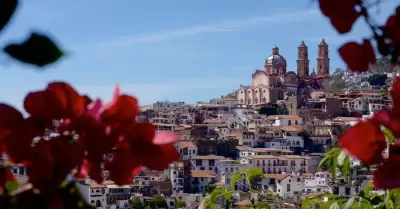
(283, 123)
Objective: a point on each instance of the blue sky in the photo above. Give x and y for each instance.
(166, 49)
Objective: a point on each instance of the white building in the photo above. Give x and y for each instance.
(166, 105)
(177, 177)
(319, 182)
(285, 185)
(105, 195)
(201, 178)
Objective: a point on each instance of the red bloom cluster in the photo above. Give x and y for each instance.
(342, 13)
(83, 139)
(367, 142)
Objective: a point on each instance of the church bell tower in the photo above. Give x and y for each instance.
(323, 59)
(302, 61)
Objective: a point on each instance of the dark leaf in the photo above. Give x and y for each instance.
(38, 50)
(7, 9)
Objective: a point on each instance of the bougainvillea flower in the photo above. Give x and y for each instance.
(14, 140)
(89, 169)
(387, 176)
(357, 56)
(365, 141)
(164, 137)
(58, 100)
(342, 13)
(123, 166)
(125, 108)
(392, 29)
(97, 107)
(141, 141)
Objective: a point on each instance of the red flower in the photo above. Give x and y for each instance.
(15, 141)
(123, 166)
(125, 109)
(366, 135)
(141, 141)
(392, 29)
(387, 176)
(342, 13)
(58, 101)
(358, 56)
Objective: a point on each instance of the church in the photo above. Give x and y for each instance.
(275, 83)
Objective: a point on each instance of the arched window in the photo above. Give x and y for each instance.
(298, 143)
(98, 203)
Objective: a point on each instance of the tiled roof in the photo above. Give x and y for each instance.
(202, 174)
(291, 128)
(207, 157)
(186, 144)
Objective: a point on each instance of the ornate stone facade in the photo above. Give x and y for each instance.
(275, 83)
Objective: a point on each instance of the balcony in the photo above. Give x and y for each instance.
(292, 164)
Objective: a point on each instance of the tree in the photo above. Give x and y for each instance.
(160, 202)
(282, 110)
(136, 203)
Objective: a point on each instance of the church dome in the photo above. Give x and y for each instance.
(275, 58)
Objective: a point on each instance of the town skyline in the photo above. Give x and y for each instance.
(186, 56)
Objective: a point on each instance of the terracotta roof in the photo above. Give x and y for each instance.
(95, 185)
(291, 128)
(186, 144)
(295, 157)
(276, 176)
(266, 157)
(202, 174)
(207, 157)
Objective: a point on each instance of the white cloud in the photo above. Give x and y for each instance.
(223, 26)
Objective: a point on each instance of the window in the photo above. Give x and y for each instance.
(211, 162)
(288, 187)
(289, 122)
(198, 162)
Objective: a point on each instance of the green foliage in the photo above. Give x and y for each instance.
(7, 9)
(330, 161)
(282, 110)
(12, 186)
(209, 188)
(180, 204)
(366, 199)
(38, 50)
(159, 202)
(245, 174)
(136, 203)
